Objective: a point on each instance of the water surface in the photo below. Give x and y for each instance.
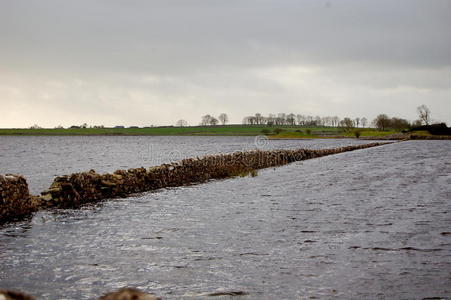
(368, 224)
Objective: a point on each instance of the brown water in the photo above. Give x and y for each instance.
(368, 224)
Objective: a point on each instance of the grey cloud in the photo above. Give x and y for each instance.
(162, 36)
(168, 59)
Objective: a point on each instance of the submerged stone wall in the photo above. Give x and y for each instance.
(80, 188)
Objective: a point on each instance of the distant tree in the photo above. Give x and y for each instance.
(326, 121)
(399, 124)
(424, 114)
(271, 119)
(309, 121)
(84, 125)
(291, 119)
(364, 121)
(223, 118)
(335, 121)
(300, 119)
(181, 123)
(250, 120)
(347, 123)
(206, 120)
(214, 121)
(381, 122)
(258, 119)
(318, 121)
(281, 119)
(416, 123)
(59, 127)
(357, 122)
(35, 126)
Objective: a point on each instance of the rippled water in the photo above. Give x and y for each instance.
(368, 224)
(41, 158)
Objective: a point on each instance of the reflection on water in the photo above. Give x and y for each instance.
(368, 224)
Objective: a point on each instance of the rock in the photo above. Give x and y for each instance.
(108, 183)
(46, 197)
(128, 294)
(12, 295)
(15, 198)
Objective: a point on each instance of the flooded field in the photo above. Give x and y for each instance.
(368, 224)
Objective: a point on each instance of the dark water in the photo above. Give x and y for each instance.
(40, 159)
(368, 224)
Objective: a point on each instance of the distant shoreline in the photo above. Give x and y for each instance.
(285, 132)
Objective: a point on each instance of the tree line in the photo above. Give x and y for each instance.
(207, 120)
(304, 120)
(381, 122)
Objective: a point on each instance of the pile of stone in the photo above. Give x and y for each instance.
(80, 188)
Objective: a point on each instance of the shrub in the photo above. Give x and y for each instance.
(265, 131)
(357, 133)
(308, 132)
(278, 130)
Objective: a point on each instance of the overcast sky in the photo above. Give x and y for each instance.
(145, 62)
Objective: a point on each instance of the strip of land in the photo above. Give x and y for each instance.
(284, 131)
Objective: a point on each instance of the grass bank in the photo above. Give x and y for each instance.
(233, 130)
(276, 132)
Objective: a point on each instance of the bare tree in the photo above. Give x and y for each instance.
(281, 119)
(335, 121)
(181, 123)
(424, 114)
(357, 122)
(223, 118)
(214, 121)
(300, 119)
(318, 121)
(291, 119)
(382, 122)
(258, 118)
(364, 121)
(206, 120)
(347, 123)
(271, 119)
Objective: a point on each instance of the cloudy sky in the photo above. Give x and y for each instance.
(144, 62)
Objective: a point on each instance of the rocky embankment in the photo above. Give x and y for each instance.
(80, 188)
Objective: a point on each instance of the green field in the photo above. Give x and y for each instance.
(227, 130)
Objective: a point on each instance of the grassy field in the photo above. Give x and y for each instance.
(227, 130)
(192, 130)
